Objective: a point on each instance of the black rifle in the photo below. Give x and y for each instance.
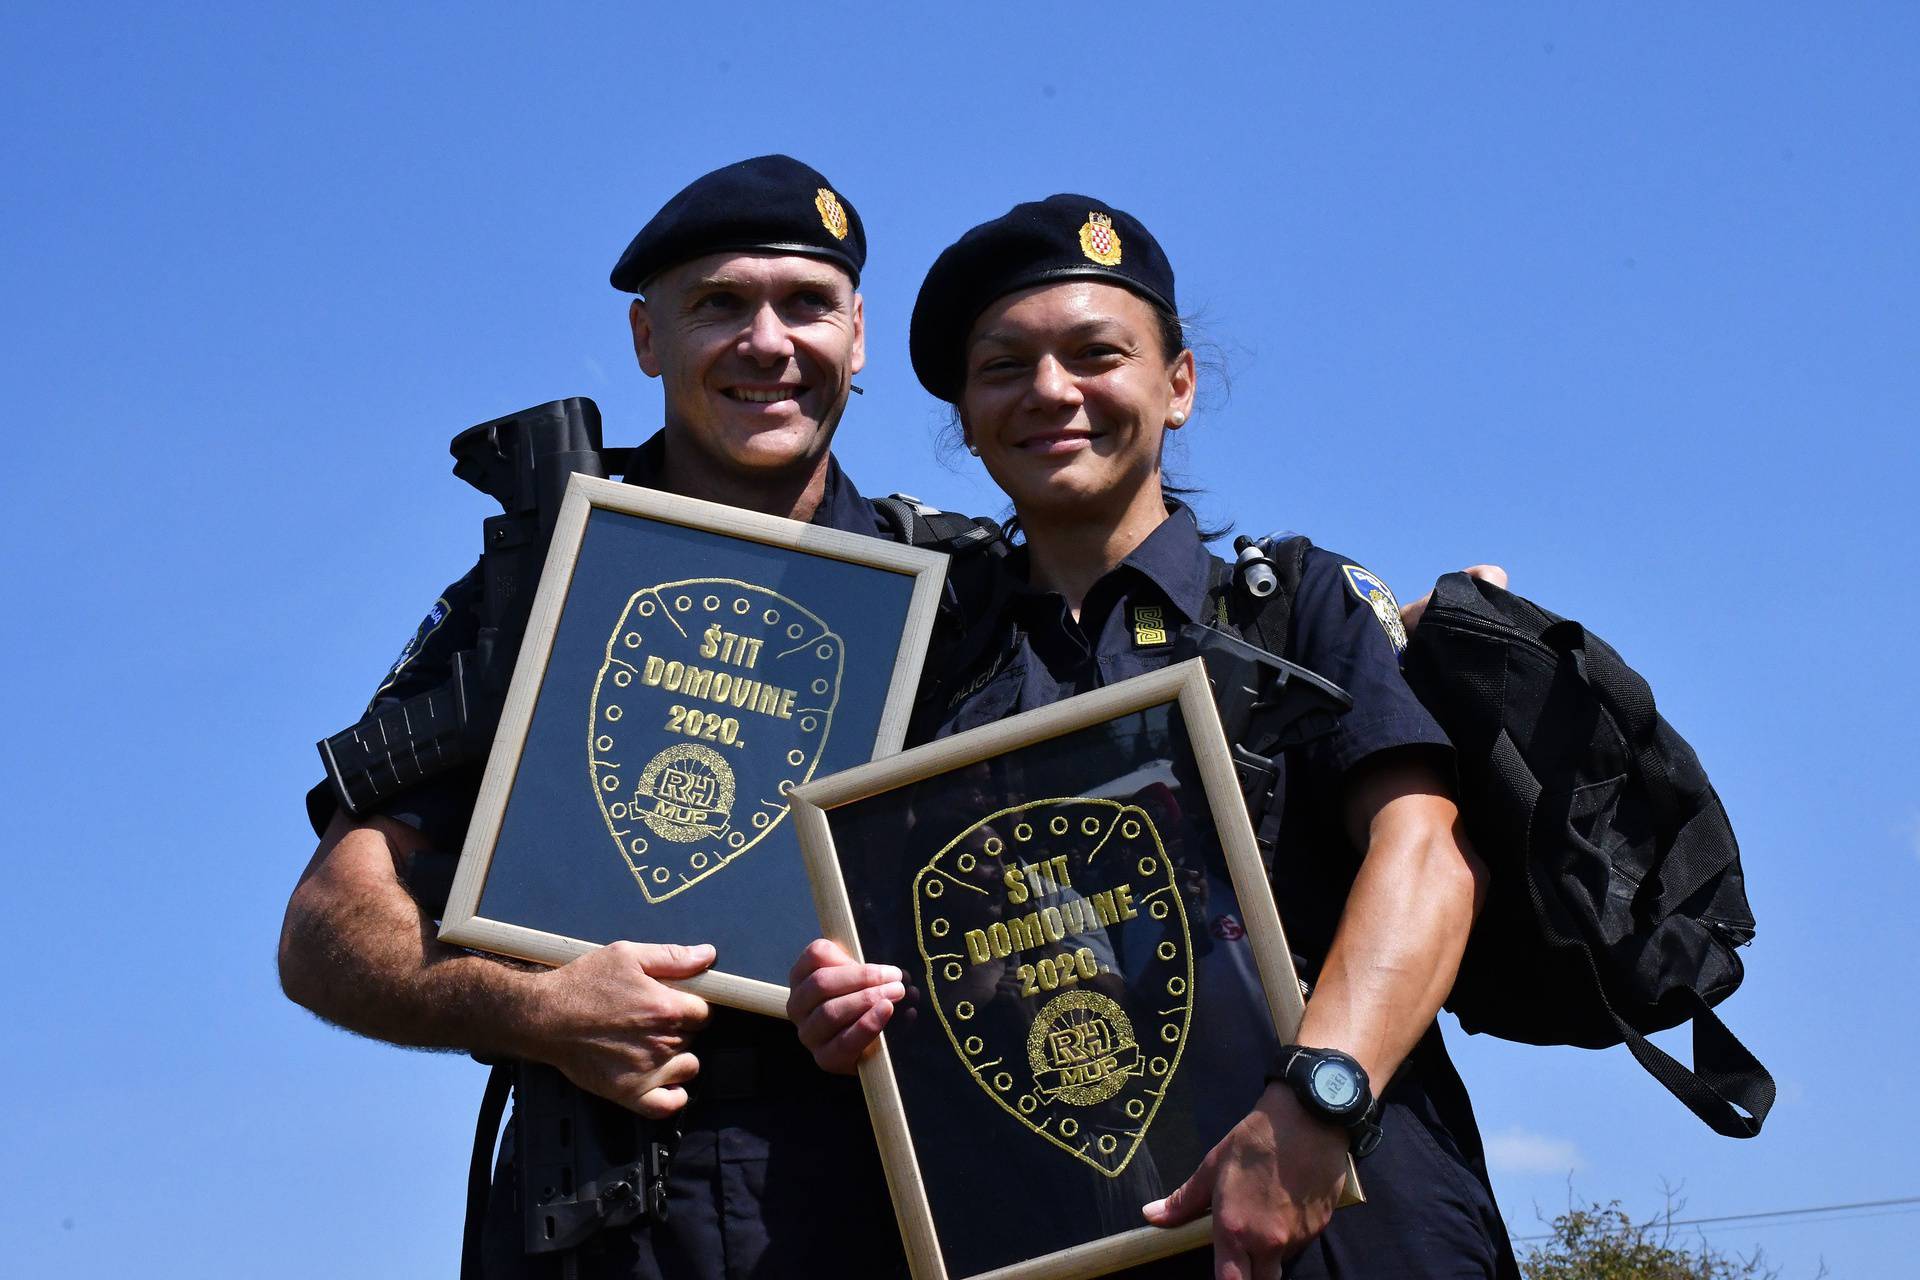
(523, 461)
(583, 1165)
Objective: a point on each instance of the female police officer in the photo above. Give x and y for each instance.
(1054, 332)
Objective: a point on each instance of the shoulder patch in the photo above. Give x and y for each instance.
(1376, 595)
(411, 650)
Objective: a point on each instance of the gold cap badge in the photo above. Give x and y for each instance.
(1099, 241)
(832, 216)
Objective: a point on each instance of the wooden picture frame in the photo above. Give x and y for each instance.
(685, 665)
(1121, 809)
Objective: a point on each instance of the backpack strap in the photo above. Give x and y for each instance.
(970, 604)
(913, 522)
(1259, 620)
(1725, 1074)
(1262, 621)
(486, 1134)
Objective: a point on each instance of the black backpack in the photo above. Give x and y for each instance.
(1616, 899)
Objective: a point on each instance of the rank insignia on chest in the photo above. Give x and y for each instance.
(1149, 626)
(1375, 594)
(1099, 241)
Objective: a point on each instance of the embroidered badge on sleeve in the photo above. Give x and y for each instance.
(411, 650)
(1377, 596)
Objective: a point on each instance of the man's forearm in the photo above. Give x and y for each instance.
(357, 950)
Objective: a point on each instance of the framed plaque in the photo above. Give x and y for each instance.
(686, 666)
(1098, 983)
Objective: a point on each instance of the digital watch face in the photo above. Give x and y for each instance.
(1334, 1085)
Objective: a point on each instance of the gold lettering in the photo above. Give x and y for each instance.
(719, 686)
(741, 651)
(1000, 940)
(1123, 898)
(1103, 909)
(1016, 891)
(1024, 932)
(977, 946)
(1058, 870)
(1055, 927)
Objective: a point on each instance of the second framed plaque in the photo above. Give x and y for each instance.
(1098, 980)
(685, 667)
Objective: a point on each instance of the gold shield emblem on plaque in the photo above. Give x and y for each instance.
(715, 700)
(1021, 921)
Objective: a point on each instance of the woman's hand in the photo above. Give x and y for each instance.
(1272, 1184)
(839, 1005)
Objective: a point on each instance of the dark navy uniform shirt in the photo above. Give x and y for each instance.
(1127, 626)
(1431, 1210)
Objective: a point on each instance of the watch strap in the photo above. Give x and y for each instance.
(1293, 1068)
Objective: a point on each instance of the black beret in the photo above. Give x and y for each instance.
(769, 204)
(1064, 237)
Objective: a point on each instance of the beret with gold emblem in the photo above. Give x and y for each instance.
(1064, 237)
(769, 204)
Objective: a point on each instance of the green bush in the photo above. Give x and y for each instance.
(1600, 1242)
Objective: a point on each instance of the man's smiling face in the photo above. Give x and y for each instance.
(755, 353)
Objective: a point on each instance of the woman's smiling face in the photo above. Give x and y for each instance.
(1068, 395)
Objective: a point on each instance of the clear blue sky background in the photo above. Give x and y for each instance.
(1623, 296)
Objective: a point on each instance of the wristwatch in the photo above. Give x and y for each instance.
(1331, 1085)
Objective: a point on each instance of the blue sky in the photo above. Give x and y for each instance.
(1623, 297)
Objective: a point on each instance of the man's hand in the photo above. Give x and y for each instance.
(1410, 613)
(1272, 1184)
(609, 1023)
(357, 950)
(839, 1005)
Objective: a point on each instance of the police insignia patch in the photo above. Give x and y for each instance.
(832, 215)
(1149, 626)
(1386, 610)
(1099, 241)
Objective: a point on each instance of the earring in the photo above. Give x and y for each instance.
(1178, 419)
(973, 448)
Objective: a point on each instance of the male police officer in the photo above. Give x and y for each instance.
(748, 315)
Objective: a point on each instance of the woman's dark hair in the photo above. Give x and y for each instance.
(1173, 340)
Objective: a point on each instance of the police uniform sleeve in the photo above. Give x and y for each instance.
(438, 808)
(1346, 626)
